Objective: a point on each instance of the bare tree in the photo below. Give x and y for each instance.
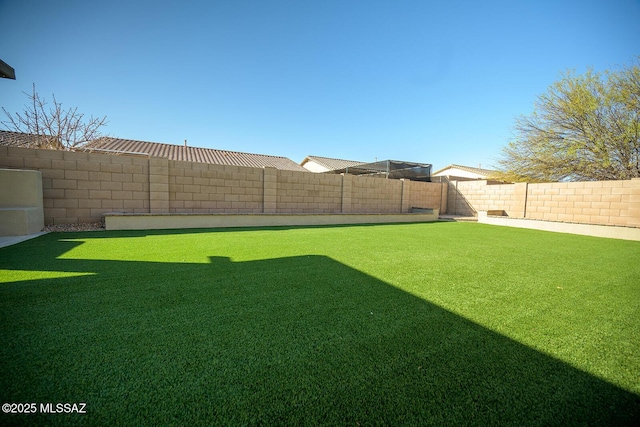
(53, 126)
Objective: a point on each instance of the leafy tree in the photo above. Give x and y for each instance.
(53, 126)
(585, 128)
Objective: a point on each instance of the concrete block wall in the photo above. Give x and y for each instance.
(598, 203)
(469, 197)
(206, 188)
(303, 192)
(424, 195)
(81, 187)
(376, 195)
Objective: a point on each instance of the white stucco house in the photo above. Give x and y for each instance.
(453, 172)
(320, 164)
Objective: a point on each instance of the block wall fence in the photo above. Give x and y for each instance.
(81, 187)
(598, 202)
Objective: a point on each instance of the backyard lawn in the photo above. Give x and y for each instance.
(416, 324)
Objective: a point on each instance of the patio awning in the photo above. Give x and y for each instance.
(7, 71)
(394, 169)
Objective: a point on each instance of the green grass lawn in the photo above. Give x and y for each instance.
(416, 324)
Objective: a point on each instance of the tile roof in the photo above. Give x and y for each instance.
(20, 139)
(192, 154)
(479, 171)
(331, 164)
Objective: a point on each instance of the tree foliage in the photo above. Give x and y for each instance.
(586, 127)
(55, 127)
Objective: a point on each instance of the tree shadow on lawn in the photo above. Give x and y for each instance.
(287, 341)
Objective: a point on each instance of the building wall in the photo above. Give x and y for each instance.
(455, 172)
(81, 187)
(21, 208)
(312, 166)
(599, 203)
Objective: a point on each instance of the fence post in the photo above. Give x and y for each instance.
(405, 196)
(270, 190)
(158, 185)
(347, 184)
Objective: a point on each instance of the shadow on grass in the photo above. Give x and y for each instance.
(287, 341)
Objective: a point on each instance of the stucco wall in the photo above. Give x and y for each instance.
(21, 208)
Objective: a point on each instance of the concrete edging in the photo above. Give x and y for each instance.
(159, 221)
(612, 232)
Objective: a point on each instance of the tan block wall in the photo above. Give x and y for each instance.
(376, 195)
(424, 195)
(303, 192)
(82, 187)
(469, 197)
(598, 203)
(205, 188)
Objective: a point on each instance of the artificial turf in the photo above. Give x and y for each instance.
(414, 324)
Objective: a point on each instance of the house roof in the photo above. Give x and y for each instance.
(7, 71)
(20, 139)
(478, 171)
(329, 163)
(192, 154)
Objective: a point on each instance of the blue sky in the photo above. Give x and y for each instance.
(439, 82)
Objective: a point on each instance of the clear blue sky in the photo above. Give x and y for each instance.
(429, 81)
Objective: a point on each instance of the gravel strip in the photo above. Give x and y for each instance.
(94, 226)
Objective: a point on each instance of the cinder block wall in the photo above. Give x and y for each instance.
(205, 188)
(599, 203)
(376, 195)
(424, 195)
(302, 192)
(81, 187)
(469, 197)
